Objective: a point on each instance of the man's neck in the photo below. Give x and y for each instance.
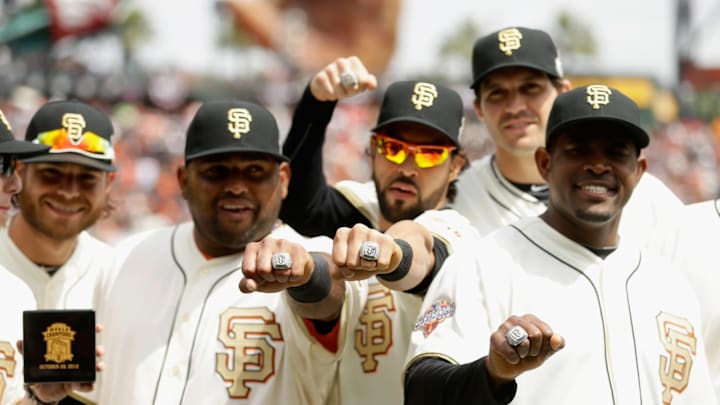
(38, 247)
(518, 169)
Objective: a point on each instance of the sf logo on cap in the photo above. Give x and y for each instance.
(74, 125)
(598, 94)
(424, 95)
(509, 40)
(5, 121)
(239, 120)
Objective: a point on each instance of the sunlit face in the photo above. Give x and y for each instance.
(591, 175)
(234, 198)
(405, 190)
(60, 200)
(515, 103)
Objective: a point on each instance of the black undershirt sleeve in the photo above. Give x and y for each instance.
(440, 251)
(312, 206)
(434, 381)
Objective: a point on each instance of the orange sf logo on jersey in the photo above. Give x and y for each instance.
(678, 337)
(248, 333)
(374, 336)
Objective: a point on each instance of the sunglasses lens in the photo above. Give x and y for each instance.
(392, 150)
(431, 156)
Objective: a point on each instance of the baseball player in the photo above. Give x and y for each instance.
(517, 74)
(65, 191)
(15, 296)
(415, 160)
(177, 331)
(698, 241)
(561, 308)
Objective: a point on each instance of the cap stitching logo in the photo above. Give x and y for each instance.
(74, 124)
(509, 40)
(424, 95)
(5, 121)
(239, 120)
(598, 94)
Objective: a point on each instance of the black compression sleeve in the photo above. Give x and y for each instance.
(440, 251)
(432, 380)
(312, 206)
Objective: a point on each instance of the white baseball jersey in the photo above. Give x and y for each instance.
(373, 356)
(630, 322)
(489, 201)
(179, 331)
(15, 297)
(699, 254)
(73, 285)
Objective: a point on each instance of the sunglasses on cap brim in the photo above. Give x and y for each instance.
(89, 143)
(397, 151)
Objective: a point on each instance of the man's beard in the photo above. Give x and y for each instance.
(394, 211)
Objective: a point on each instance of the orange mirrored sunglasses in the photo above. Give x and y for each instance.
(397, 151)
(89, 143)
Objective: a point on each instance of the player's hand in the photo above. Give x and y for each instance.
(505, 362)
(346, 252)
(326, 85)
(259, 275)
(54, 392)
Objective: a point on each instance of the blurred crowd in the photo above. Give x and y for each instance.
(149, 146)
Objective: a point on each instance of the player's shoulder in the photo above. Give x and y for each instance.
(477, 170)
(448, 224)
(15, 292)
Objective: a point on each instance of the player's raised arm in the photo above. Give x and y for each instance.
(315, 288)
(401, 257)
(314, 207)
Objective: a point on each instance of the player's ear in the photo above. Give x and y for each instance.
(285, 175)
(542, 160)
(181, 175)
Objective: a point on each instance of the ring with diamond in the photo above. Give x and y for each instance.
(369, 250)
(348, 80)
(516, 335)
(281, 261)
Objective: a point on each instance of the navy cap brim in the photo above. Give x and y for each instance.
(70, 157)
(636, 133)
(244, 149)
(414, 120)
(21, 148)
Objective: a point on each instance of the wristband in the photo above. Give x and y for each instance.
(35, 400)
(404, 267)
(319, 285)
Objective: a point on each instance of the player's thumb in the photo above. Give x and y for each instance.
(557, 342)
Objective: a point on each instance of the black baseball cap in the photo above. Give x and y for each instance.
(232, 126)
(76, 132)
(514, 47)
(425, 103)
(596, 105)
(11, 146)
